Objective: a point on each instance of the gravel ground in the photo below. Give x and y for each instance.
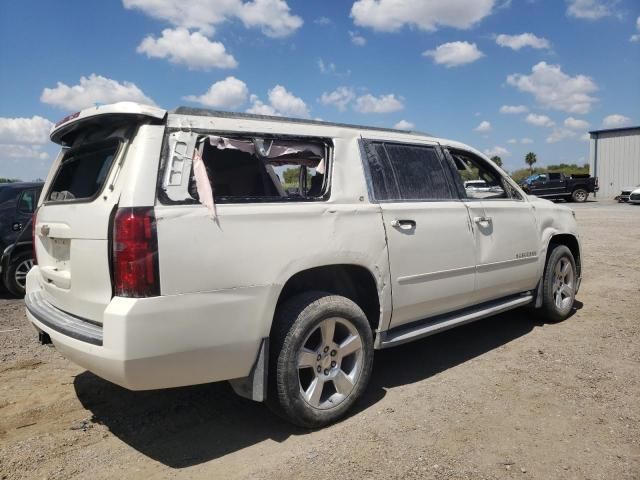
(507, 397)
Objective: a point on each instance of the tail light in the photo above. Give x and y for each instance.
(135, 253)
(34, 219)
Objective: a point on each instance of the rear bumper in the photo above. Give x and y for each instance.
(160, 342)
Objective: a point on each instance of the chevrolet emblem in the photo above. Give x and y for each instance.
(44, 230)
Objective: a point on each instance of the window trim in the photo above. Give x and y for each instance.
(363, 142)
(163, 199)
(460, 185)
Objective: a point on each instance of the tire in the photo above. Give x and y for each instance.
(16, 273)
(559, 284)
(316, 374)
(579, 195)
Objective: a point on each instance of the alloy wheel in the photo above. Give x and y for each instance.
(330, 363)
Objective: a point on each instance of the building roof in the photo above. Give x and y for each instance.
(619, 129)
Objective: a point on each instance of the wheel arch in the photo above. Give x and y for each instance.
(352, 281)
(571, 242)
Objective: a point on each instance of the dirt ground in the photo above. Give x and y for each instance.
(507, 397)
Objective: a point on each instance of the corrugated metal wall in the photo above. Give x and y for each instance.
(616, 162)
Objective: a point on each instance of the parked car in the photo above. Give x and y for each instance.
(170, 254)
(626, 194)
(634, 197)
(574, 188)
(17, 204)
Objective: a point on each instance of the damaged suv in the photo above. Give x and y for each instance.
(193, 246)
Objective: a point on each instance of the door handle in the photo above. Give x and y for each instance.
(482, 219)
(403, 224)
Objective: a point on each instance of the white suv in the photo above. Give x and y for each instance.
(192, 246)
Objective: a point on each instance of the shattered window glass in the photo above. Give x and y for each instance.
(420, 174)
(213, 169)
(406, 172)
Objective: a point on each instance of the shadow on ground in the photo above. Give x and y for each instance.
(187, 426)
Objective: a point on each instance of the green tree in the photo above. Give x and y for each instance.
(291, 175)
(497, 160)
(530, 159)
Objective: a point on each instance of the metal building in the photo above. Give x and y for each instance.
(614, 157)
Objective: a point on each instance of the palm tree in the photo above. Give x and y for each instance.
(530, 159)
(497, 160)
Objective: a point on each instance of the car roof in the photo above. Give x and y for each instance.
(21, 185)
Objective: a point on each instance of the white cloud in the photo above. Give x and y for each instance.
(616, 120)
(539, 120)
(258, 107)
(22, 151)
(576, 124)
(273, 17)
(497, 150)
(585, 137)
(323, 21)
(24, 130)
(513, 109)
(382, 104)
(636, 37)
(392, 15)
(591, 9)
(229, 93)
(357, 39)
(483, 127)
(326, 67)
(286, 103)
(526, 141)
(281, 103)
(560, 134)
(340, 98)
(404, 125)
(555, 89)
(454, 54)
(512, 140)
(516, 42)
(92, 90)
(191, 49)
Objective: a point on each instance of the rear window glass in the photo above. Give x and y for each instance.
(83, 171)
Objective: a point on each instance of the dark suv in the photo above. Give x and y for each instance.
(17, 204)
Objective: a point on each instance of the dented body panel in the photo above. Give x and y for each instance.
(225, 265)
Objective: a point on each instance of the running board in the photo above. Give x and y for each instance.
(416, 330)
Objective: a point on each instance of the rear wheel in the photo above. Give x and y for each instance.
(321, 358)
(580, 195)
(15, 278)
(560, 281)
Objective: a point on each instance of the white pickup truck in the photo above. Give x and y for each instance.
(192, 246)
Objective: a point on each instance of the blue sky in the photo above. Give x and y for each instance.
(446, 67)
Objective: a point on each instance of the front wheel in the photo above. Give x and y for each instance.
(580, 195)
(559, 284)
(321, 358)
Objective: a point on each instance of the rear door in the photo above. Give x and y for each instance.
(72, 221)
(430, 240)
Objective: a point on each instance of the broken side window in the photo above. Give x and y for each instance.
(241, 169)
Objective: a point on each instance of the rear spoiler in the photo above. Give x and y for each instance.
(73, 121)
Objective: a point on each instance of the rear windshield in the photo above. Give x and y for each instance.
(83, 171)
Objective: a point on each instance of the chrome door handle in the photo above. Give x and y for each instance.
(482, 219)
(403, 224)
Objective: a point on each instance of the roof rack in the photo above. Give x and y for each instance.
(205, 112)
